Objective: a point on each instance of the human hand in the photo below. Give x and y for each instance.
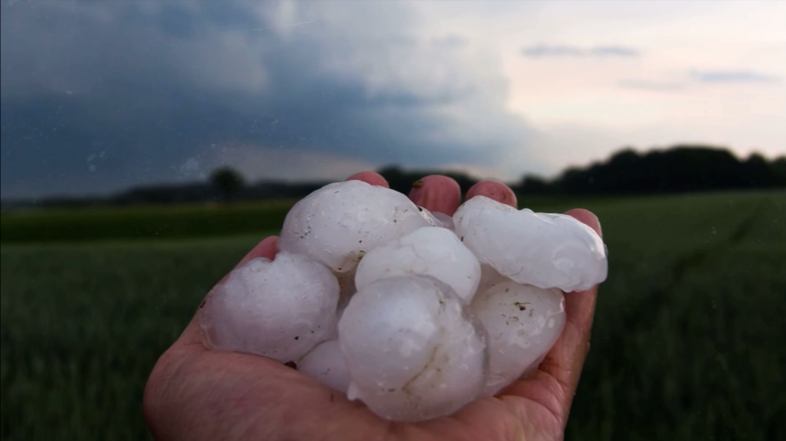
(194, 393)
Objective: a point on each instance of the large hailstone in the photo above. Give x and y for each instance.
(279, 309)
(427, 251)
(544, 250)
(326, 364)
(339, 223)
(413, 351)
(522, 322)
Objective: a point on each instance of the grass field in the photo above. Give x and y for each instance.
(136, 223)
(688, 341)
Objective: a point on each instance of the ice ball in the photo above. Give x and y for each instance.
(279, 309)
(413, 350)
(522, 322)
(339, 223)
(544, 250)
(427, 251)
(326, 364)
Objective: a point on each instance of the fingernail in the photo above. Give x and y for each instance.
(421, 196)
(369, 178)
(588, 218)
(437, 194)
(493, 190)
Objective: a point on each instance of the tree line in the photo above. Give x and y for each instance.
(682, 168)
(677, 169)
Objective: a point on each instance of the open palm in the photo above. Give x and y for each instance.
(197, 394)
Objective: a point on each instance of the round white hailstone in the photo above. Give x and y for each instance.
(522, 322)
(413, 350)
(544, 250)
(340, 222)
(326, 364)
(489, 277)
(279, 309)
(427, 251)
(437, 219)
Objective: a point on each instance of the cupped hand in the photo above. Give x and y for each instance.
(195, 394)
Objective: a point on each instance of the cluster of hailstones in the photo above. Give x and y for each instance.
(415, 314)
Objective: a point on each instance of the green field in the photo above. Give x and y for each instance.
(688, 341)
(141, 223)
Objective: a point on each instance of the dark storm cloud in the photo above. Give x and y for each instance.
(99, 96)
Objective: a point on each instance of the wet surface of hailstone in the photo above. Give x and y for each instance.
(326, 364)
(427, 251)
(339, 223)
(279, 309)
(412, 350)
(437, 219)
(541, 249)
(522, 322)
(416, 314)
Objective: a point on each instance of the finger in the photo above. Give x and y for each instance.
(267, 249)
(369, 177)
(565, 361)
(437, 193)
(494, 190)
(587, 218)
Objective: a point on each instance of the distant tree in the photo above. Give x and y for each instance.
(532, 184)
(227, 181)
(778, 171)
(757, 172)
(680, 168)
(397, 179)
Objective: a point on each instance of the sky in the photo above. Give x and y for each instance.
(96, 97)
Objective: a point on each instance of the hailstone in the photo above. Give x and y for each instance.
(522, 322)
(326, 364)
(437, 219)
(544, 250)
(427, 251)
(447, 221)
(413, 350)
(489, 277)
(279, 309)
(341, 222)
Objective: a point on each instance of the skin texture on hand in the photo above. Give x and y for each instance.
(196, 394)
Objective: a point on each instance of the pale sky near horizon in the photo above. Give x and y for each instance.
(99, 97)
(591, 76)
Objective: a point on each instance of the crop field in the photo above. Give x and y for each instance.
(688, 341)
